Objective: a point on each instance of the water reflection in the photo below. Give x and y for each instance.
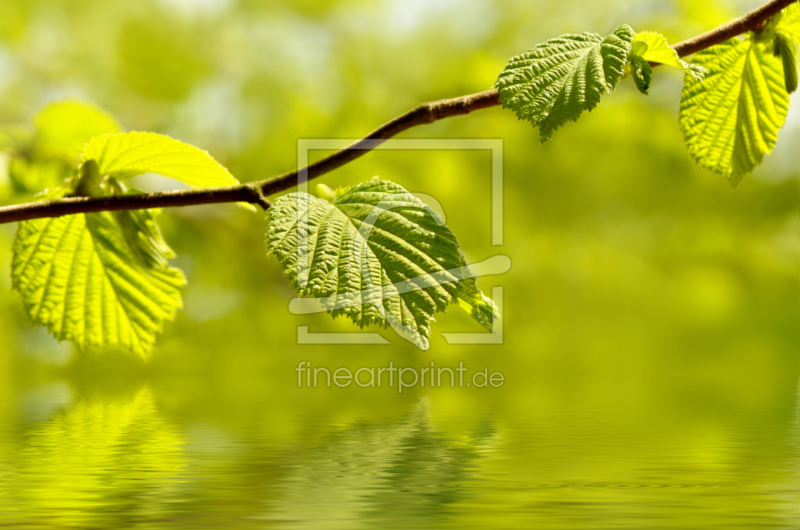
(124, 462)
(398, 475)
(101, 463)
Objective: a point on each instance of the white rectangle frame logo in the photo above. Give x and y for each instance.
(305, 145)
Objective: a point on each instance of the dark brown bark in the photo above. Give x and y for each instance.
(256, 192)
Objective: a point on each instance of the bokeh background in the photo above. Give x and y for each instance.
(651, 313)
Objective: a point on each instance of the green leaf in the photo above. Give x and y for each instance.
(140, 230)
(731, 119)
(125, 155)
(376, 254)
(653, 47)
(788, 22)
(325, 192)
(36, 175)
(64, 127)
(87, 180)
(786, 28)
(553, 83)
(642, 73)
(785, 49)
(79, 277)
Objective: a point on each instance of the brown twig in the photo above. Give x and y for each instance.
(256, 192)
(752, 21)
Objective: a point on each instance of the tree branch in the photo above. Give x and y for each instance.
(256, 192)
(752, 21)
(420, 115)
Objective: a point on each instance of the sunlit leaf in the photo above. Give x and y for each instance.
(556, 81)
(788, 22)
(128, 154)
(79, 277)
(376, 254)
(64, 127)
(653, 47)
(731, 119)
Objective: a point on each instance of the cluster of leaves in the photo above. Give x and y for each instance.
(103, 279)
(374, 253)
(734, 101)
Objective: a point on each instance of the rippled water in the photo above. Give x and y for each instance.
(138, 459)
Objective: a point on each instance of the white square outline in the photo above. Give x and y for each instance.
(495, 145)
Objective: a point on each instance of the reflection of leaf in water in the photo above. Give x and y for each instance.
(785, 495)
(401, 474)
(797, 410)
(100, 463)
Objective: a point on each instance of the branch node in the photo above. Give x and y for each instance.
(260, 198)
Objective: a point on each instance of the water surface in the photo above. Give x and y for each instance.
(140, 459)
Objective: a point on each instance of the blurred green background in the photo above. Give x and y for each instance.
(651, 313)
